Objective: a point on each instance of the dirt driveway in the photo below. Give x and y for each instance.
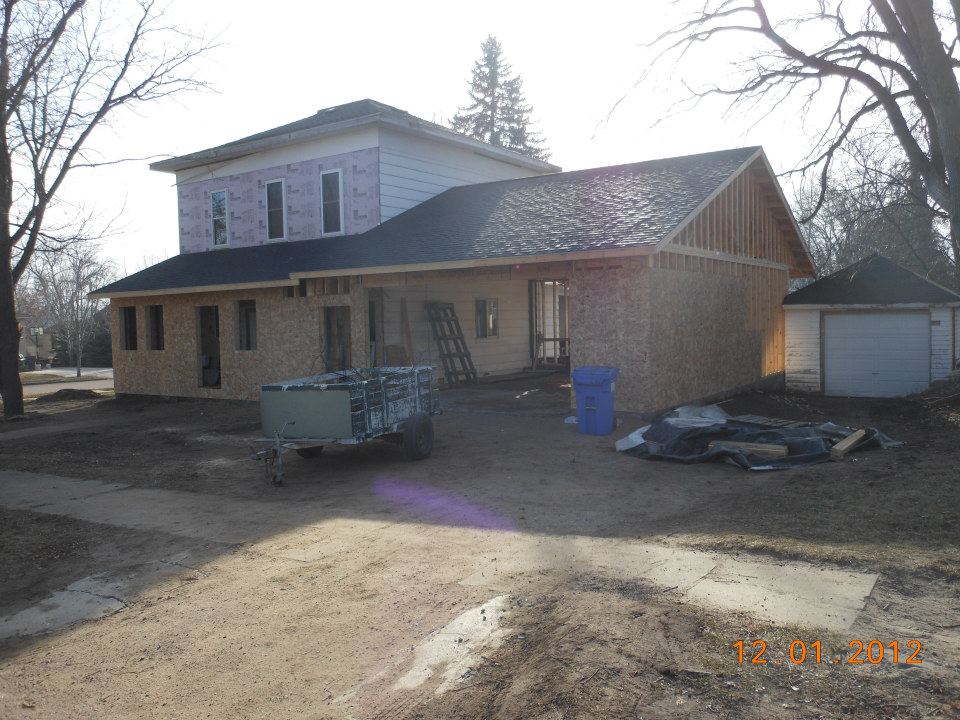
(523, 571)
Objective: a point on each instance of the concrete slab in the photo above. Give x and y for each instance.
(87, 599)
(457, 646)
(194, 515)
(788, 593)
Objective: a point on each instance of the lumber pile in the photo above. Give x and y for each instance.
(767, 450)
(840, 450)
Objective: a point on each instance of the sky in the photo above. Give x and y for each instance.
(584, 71)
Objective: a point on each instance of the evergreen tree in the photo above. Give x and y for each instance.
(498, 113)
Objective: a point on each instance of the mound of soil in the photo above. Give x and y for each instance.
(69, 394)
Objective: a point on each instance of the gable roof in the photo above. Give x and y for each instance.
(875, 280)
(604, 211)
(337, 119)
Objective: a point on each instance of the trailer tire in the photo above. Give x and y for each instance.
(418, 437)
(310, 452)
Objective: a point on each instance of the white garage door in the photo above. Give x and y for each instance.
(876, 354)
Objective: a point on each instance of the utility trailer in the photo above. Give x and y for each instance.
(347, 407)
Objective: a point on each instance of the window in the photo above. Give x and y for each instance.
(488, 324)
(275, 210)
(247, 315)
(330, 206)
(218, 211)
(155, 327)
(128, 322)
(298, 290)
(334, 285)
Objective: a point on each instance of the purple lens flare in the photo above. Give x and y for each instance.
(426, 502)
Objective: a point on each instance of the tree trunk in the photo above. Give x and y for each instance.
(79, 353)
(9, 345)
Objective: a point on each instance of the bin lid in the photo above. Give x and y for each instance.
(591, 374)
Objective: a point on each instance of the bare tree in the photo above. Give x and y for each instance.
(879, 63)
(66, 66)
(876, 204)
(63, 281)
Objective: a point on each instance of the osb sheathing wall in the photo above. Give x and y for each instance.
(290, 342)
(610, 325)
(707, 336)
(677, 334)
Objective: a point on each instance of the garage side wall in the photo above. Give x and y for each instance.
(803, 350)
(683, 330)
(703, 341)
(290, 342)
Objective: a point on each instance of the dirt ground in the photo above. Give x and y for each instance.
(320, 603)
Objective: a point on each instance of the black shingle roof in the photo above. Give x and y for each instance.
(871, 281)
(616, 207)
(328, 116)
(359, 110)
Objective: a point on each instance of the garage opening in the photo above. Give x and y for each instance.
(876, 354)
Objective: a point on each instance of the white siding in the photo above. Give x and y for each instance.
(413, 170)
(956, 336)
(508, 352)
(802, 349)
(941, 342)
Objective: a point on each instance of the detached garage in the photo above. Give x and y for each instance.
(874, 329)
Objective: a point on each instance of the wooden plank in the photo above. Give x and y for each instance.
(405, 329)
(767, 450)
(840, 450)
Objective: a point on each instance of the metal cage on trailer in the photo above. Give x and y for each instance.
(347, 407)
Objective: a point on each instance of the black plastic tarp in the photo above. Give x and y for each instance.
(687, 439)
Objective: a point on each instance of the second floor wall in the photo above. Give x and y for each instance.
(235, 211)
(343, 184)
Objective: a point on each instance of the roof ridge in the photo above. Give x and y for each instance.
(583, 171)
(914, 273)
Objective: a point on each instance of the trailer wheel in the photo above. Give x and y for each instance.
(418, 437)
(310, 452)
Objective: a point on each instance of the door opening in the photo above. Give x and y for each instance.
(375, 326)
(336, 326)
(549, 324)
(208, 320)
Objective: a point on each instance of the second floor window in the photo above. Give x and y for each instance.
(218, 211)
(330, 202)
(275, 220)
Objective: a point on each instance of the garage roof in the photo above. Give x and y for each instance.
(875, 280)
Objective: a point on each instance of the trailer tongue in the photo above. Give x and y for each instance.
(348, 407)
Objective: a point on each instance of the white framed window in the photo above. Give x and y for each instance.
(488, 318)
(276, 210)
(331, 202)
(218, 214)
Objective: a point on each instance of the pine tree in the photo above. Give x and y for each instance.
(498, 113)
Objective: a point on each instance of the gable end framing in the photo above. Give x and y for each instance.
(746, 219)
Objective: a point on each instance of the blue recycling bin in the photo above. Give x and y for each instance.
(594, 387)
